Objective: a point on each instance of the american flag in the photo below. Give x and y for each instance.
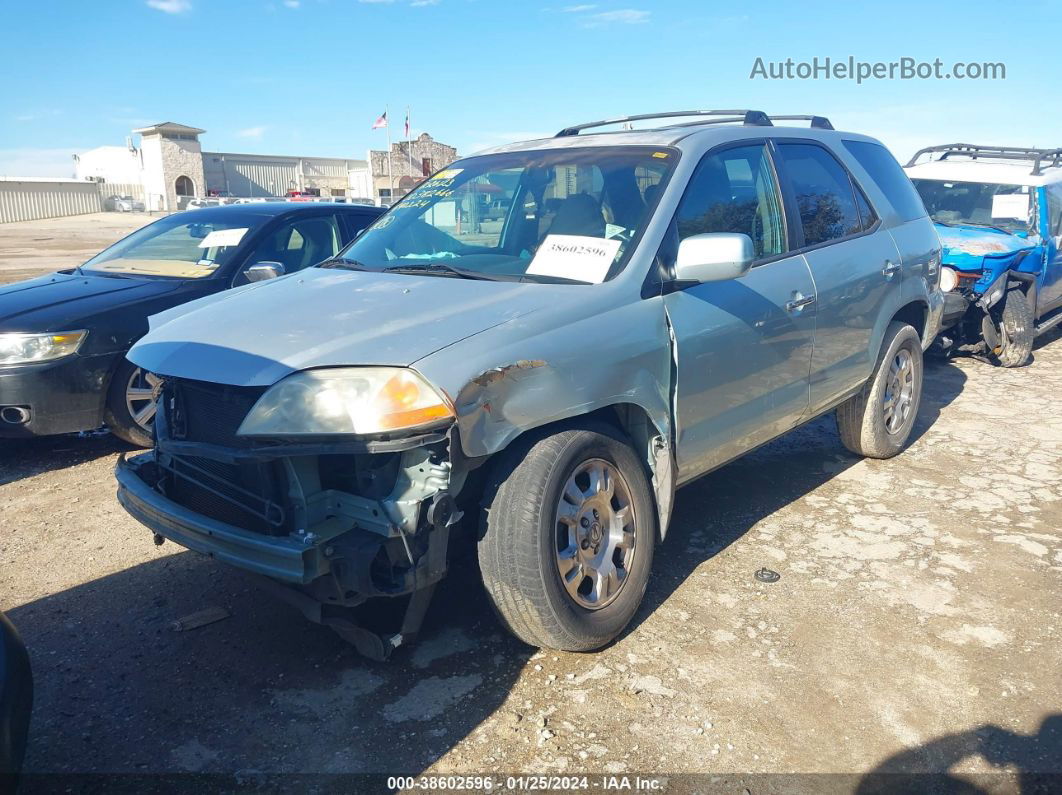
(380, 122)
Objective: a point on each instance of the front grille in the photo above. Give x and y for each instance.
(249, 494)
(206, 412)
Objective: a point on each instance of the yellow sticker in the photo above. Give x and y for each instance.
(661, 154)
(448, 174)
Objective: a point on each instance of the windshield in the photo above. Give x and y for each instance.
(183, 246)
(557, 215)
(1005, 207)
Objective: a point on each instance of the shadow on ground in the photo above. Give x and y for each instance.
(265, 690)
(24, 458)
(1032, 761)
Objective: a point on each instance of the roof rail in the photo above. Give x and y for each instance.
(817, 122)
(974, 151)
(752, 118)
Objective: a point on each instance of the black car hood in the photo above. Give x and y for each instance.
(59, 301)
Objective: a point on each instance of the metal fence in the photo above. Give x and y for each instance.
(30, 199)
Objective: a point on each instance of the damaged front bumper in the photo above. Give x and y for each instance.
(297, 560)
(331, 525)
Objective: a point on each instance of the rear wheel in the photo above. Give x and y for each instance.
(877, 422)
(1016, 330)
(131, 403)
(568, 539)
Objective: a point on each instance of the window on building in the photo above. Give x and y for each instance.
(734, 191)
(425, 166)
(184, 186)
(823, 192)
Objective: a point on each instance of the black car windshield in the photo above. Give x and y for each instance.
(559, 215)
(1006, 207)
(192, 245)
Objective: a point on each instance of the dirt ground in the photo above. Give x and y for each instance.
(916, 626)
(32, 248)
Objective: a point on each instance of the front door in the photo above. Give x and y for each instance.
(743, 347)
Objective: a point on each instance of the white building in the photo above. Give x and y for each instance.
(169, 166)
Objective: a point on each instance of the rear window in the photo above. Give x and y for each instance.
(886, 172)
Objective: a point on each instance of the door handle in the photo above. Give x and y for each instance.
(799, 303)
(890, 269)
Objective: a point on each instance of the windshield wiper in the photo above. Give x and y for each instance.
(343, 263)
(443, 269)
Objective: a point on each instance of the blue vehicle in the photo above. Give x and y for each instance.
(998, 211)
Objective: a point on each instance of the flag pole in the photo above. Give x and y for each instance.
(390, 164)
(409, 141)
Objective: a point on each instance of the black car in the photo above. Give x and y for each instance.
(16, 701)
(63, 337)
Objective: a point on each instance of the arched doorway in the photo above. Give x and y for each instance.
(184, 186)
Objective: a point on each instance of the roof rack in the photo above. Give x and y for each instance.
(750, 118)
(974, 151)
(817, 122)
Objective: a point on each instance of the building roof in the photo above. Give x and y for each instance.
(169, 127)
(995, 172)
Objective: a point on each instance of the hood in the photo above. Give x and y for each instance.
(966, 247)
(59, 301)
(256, 335)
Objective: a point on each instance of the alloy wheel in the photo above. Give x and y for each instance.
(595, 534)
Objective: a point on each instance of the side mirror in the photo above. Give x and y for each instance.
(261, 271)
(714, 257)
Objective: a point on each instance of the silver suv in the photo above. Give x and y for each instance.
(651, 305)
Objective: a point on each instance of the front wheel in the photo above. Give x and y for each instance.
(1016, 330)
(877, 422)
(568, 536)
(131, 403)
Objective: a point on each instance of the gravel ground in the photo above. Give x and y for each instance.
(33, 248)
(915, 626)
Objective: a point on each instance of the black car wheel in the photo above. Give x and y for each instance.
(131, 402)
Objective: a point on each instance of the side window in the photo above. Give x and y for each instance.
(886, 172)
(734, 191)
(299, 243)
(1054, 210)
(867, 216)
(823, 191)
(355, 222)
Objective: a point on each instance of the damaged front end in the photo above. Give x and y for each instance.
(975, 281)
(332, 522)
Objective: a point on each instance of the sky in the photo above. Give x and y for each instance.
(309, 77)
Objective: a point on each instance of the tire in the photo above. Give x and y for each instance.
(520, 553)
(117, 415)
(866, 425)
(1016, 330)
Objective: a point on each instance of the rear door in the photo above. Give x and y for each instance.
(855, 266)
(743, 347)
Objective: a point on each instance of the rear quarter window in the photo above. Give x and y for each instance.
(886, 172)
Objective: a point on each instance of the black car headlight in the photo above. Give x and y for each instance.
(29, 348)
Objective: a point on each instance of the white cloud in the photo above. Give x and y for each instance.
(422, 3)
(578, 9)
(170, 6)
(251, 132)
(292, 3)
(623, 16)
(30, 162)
